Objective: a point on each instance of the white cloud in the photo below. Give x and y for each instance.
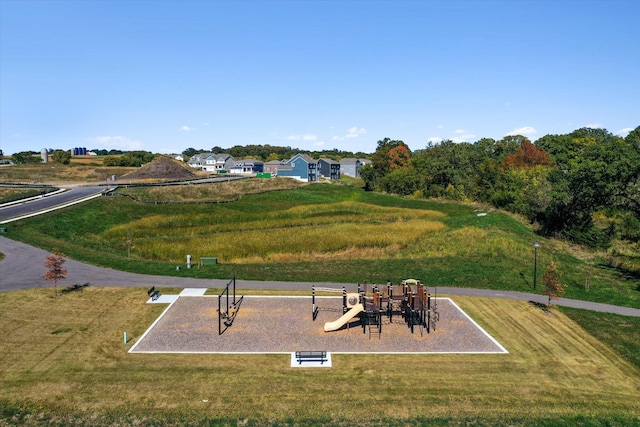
(318, 143)
(440, 127)
(355, 132)
(186, 128)
(302, 137)
(117, 142)
(463, 138)
(624, 132)
(524, 131)
(594, 126)
(337, 138)
(435, 139)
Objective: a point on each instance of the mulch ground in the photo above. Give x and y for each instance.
(285, 324)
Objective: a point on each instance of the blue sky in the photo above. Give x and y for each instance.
(166, 75)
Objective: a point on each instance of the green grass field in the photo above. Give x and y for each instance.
(319, 233)
(71, 367)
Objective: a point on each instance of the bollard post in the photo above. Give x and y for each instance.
(125, 338)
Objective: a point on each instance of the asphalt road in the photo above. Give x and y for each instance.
(48, 202)
(23, 268)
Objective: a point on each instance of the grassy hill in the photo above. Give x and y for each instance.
(71, 367)
(321, 233)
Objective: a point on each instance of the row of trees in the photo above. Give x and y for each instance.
(584, 185)
(130, 158)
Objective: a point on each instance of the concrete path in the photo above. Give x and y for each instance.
(23, 268)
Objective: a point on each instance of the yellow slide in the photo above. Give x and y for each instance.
(337, 324)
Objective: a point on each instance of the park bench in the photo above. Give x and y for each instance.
(153, 293)
(311, 356)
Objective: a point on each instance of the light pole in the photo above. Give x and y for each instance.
(535, 263)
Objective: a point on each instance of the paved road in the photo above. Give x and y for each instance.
(23, 267)
(48, 202)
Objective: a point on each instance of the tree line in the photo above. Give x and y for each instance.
(272, 152)
(584, 186)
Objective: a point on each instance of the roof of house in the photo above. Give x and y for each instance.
(329, 161)
(349, 161)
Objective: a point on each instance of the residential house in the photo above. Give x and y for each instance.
(275, 166)
(329, 168)
(350, 167)
(247, 166)
(303, 168)
(212, 163)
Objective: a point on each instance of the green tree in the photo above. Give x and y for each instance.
(595, 170)
(403, 181)
(384, 159)
(190, 152)
(61, 156)
(24, 157)
(368, 175)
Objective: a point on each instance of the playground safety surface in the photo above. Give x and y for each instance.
(285, 325)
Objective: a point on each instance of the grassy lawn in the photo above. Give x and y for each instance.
(320, 233)
(11, 194)
(53, 173)
(71, 367)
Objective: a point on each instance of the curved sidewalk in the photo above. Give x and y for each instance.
(23, 268)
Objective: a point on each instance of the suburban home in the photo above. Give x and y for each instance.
(329, 168)
(247, 166)
(350, 167)
(275, 166)
(213, 163)
(303, 168)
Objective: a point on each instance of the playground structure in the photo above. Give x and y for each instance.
(411, 301)
(231, 306)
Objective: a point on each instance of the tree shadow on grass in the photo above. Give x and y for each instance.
(541, 306)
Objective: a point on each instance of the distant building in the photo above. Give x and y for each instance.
(329, 168)
(350, 167)
(275, 166)
(248, 166)
(303, 168)
(212, 163)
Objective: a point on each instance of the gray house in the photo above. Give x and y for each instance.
(350, 167)
(329, 168)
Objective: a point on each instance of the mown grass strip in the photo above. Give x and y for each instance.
(73, 365)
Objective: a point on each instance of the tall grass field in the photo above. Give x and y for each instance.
(321, 233)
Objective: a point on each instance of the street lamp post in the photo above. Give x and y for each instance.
(535, 263)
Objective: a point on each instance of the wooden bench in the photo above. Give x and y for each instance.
(311, 356)
(153, 293)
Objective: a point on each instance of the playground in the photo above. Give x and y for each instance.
(279, 324)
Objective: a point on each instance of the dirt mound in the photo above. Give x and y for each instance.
(164, 168)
